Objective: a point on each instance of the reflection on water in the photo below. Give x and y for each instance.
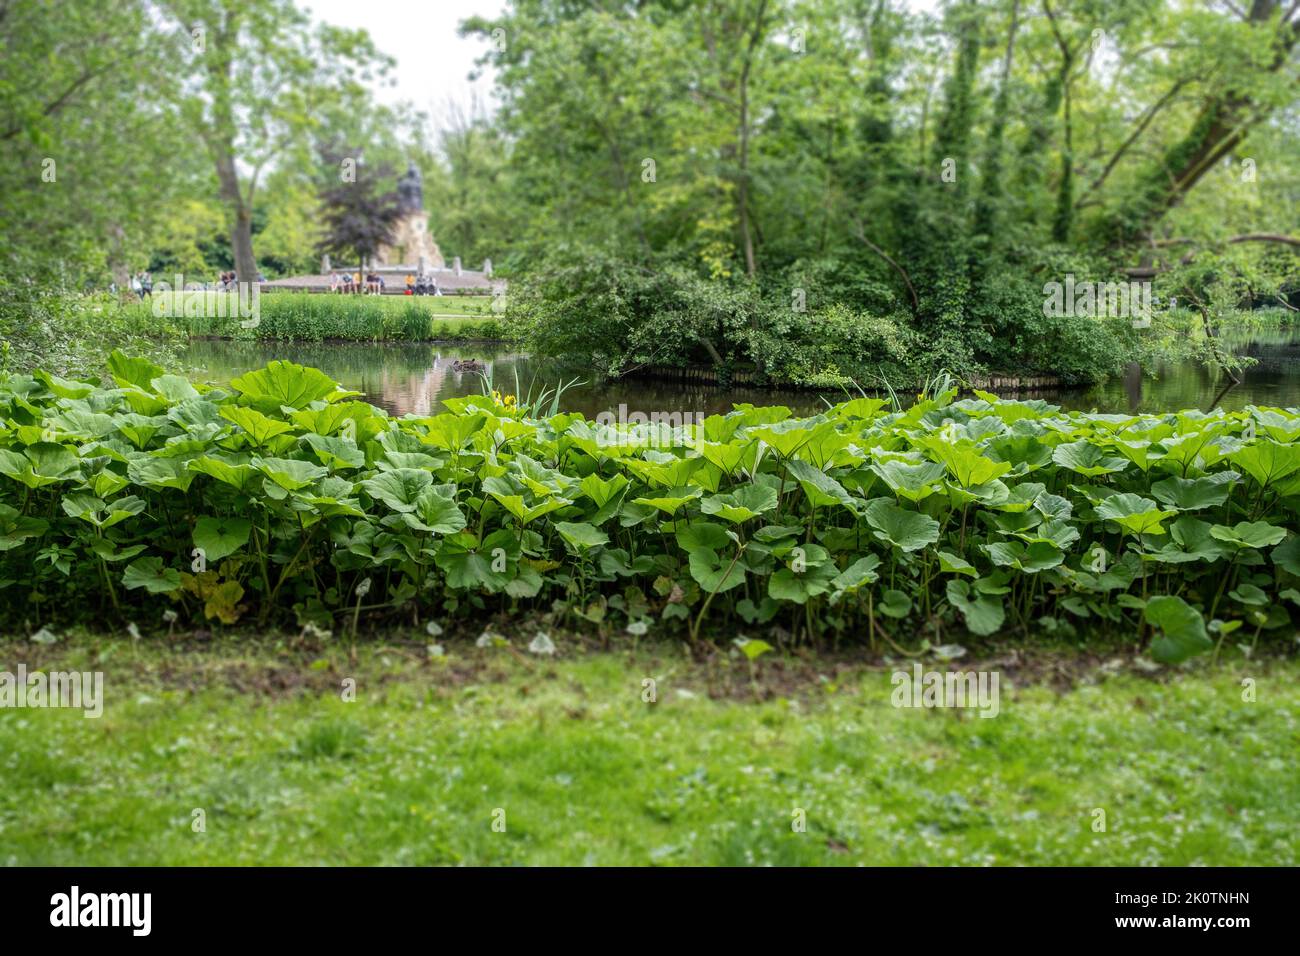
(1273, 380)
(404, 378)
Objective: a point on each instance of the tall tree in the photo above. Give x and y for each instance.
(255, 78)
(356, 212)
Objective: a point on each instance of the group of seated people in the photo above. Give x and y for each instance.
(228, 281)
(422, 285)
(373, 284)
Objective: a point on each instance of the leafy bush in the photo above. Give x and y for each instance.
(834, 347)
(814, 326)
(621, 317)
(70, 334)
(281, 496)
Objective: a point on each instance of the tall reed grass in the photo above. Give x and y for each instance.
(352, 318)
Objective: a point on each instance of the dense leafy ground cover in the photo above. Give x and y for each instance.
(70, 334)
(283, 499)
(258, 737)
(306, 317)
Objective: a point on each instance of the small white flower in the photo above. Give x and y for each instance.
(490, 639)
(542, 644)
(433, 629)
(638, 628)
(44, 636)
(436, 650)
(363, 588)
(133, 630)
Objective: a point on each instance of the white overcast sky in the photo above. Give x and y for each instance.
(433, 60)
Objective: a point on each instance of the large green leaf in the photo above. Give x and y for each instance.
(969, 466)
(398, 488)
(788, 584)
(149, 574)
(1268, 461)
(284, 383)
(670, 503)
(16, 528)
(1135, 514)
(220, 537)
(911, 481)
(336, 452)
(1193, 494)
(289, 473)
(984, 613)
(744, 504)
(132, 371)
(1182, 629)
(1032, 558)
(861, 572)
(582, 536)
(1249, 534)
(1087, 459)
(1287, 555)
(236, 474)
(41, 464)
(904, 529)
(259, 428)
(435, 511)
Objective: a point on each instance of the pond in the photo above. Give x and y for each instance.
(404, 378)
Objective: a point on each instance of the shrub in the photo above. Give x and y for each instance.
(70, 334)
(281, 497)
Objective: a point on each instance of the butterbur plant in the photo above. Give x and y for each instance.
(283, 499)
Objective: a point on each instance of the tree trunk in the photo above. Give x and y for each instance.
(241, 225)
(117, 262)
(241, 240)
(742, 186)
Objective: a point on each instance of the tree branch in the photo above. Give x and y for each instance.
(857, 226)
(1143, 123)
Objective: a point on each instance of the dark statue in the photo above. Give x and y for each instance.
(410, 191)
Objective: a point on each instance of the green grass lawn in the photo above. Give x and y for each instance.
(586, 772)
(473, 305)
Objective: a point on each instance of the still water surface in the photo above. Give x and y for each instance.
(404, 378)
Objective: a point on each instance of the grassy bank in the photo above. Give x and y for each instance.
(305, 317)
(411, 772)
